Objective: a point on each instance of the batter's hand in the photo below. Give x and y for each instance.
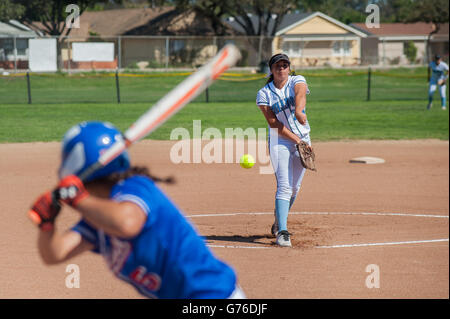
(44, 211)
(71, 191)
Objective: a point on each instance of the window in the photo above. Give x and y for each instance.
(347, 47)
(178, 45)
(22, 46)
(292, 48)
(342, 48)
(6, 49)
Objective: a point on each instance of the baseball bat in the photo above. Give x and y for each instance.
(169, 105)
(164, 109)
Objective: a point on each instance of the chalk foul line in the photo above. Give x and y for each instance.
(322, 213)
(332, 213)
(386, 244)
(342, 246)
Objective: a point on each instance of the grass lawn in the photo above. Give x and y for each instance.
(337, 107)
(329, 120)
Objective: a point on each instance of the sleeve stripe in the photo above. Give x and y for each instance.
(134, 199)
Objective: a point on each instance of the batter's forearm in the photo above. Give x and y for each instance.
(56, 248)
(51, 247)
(46, 247)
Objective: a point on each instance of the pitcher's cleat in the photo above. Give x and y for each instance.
(284, 239)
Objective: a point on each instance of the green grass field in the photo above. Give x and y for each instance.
(337, 108)
(328, 120)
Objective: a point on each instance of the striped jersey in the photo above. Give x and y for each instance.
(282, 103)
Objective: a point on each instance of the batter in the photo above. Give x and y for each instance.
(126, 218)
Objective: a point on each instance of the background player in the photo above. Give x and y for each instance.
(283, 102)
(127, 219)
(438, 79)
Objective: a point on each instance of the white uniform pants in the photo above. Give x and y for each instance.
(286, 164)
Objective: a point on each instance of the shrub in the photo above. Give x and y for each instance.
(410, 51)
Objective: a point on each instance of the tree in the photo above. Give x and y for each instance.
(242, 12)
(50, 13)
(394, 10)
(264, 10)
(10, 10)
(256, 17)
(346, 11)
(430, 11)
(214, 10)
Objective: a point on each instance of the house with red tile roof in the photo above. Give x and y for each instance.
(386, 45)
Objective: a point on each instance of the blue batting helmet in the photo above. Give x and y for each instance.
(83, 144)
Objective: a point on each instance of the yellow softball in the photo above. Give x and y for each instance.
(247, 161)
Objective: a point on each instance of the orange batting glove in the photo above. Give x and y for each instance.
(71, 191)
(44, 211)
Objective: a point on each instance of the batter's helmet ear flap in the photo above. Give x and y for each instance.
(82, 146)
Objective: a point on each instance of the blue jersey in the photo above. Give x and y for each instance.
(167, 259)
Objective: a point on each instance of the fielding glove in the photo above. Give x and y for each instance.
(307, 155)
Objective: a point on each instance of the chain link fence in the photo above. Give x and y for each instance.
(142, 69)
(145, 87)
(139, 52)
(166, 53)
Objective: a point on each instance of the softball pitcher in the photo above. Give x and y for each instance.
(438, 79)
(283, 102)
(128, 220)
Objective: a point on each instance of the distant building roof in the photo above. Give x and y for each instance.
(141, 21)
(175, 22)
(14, 28)
(401, 29)
(120, 21)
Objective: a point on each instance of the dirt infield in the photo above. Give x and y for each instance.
(347, 216)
